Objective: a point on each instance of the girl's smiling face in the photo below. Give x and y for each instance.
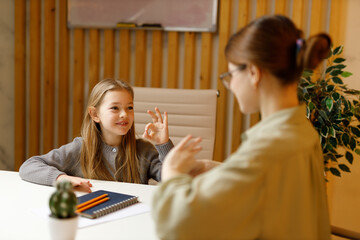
(115, 115)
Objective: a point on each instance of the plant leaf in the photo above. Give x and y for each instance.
(335, 96)
(324, 131)
(335, 172)
(307, 73)
(349, 157)
(332, 132)
(333, 142)
(336, 72)
(345, 122)
(323, 115)
(337, 50)
(345, 139)
(339, 66)
(355, 131)
(352, 91)
(339, 60)
(337, 80)
(310, 86)
(346, 74)
(308, 112)
(344, 167)
(329, 104)
(329, 69)
(352, 143)
(330, 88)
(357, 151)
(311, 106)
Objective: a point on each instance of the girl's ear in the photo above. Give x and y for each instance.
(93, 114)
(255, 74)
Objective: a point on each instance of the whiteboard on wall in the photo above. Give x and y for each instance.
(169, 15)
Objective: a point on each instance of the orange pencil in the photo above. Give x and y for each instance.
(91, 201)
(92, 205)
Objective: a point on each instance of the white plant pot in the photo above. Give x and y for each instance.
(63, 229)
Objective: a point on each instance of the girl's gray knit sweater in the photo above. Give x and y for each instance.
(46, 168)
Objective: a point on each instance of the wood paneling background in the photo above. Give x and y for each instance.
(59, 66)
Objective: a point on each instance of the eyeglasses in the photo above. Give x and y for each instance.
(227, 76)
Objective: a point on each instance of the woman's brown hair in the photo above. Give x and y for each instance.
(275, 44)
(92, 161)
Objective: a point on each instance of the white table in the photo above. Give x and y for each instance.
(17, 221)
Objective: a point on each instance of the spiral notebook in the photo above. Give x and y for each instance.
(116, 202)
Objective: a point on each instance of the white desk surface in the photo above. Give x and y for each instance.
(17, 221)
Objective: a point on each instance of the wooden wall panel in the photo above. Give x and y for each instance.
(299, 7)
(262, 7)
(49, 76)
(124, 52)
(281, 7)
(63, 77)
(140, 58)
(94, 59)
(42, 68)
(338, 21)
(206, 60)
(35, 78)
(20, 83)
(242, 21)
(109, 53)
(224, 33)
(189, 60)
(318, 16)
(173, 60)
(156, 58)
(78, 81)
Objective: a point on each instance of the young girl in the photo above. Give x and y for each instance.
(107, 148)
(273, 186)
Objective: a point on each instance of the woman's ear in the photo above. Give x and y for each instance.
(93, 114)
(255, 75)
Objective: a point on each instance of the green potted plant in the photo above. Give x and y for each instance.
(63, 218)
(334, 110)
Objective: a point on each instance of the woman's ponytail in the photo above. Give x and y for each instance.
(316, 49)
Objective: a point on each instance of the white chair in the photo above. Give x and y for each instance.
(190, 111)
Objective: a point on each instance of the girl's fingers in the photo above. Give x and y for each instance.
(146, 131)
(166, 119)
(152, 128)
(158, 114)
(153, 116)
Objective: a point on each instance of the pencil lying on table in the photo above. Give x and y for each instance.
(92, 203)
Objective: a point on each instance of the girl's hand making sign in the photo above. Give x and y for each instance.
(157, 132)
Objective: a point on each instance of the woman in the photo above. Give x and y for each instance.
(273, 186)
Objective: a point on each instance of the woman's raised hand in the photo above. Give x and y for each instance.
(181, 159)
(157, 132)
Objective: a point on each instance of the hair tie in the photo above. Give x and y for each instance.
(299, 45)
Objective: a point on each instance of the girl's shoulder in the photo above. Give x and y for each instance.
(76, 143)
(78, 140)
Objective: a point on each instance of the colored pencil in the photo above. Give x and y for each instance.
(92, 205)
(91, 201)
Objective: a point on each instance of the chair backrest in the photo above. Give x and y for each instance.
(190, 111)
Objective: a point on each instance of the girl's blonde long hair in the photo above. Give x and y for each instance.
(93, 163)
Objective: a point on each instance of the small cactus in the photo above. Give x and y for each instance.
(63, 201)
